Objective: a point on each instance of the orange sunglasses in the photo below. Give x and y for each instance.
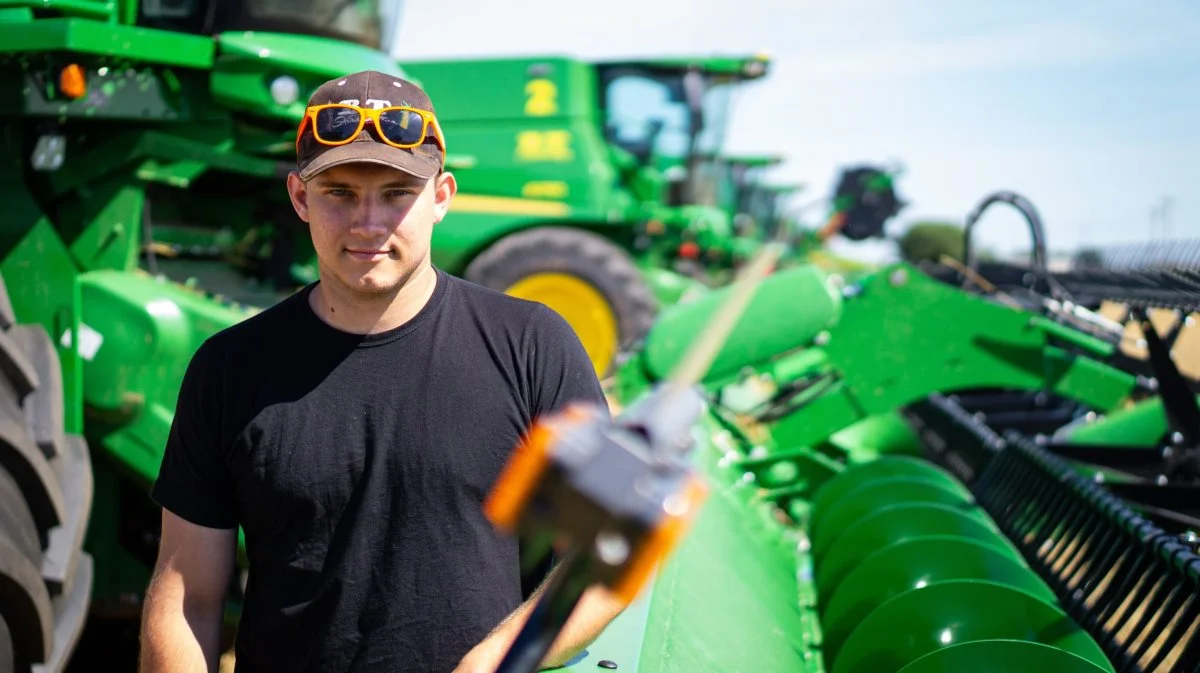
(336, 124)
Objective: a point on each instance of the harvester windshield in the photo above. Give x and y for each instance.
(670, 113)
(648, 113)
(367, 22)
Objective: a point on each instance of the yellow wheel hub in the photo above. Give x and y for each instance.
(582, 306)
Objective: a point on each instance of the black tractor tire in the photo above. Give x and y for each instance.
(45, 501)
(589, 257)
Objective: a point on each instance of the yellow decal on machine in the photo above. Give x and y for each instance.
(541, 98)
(545, 189)
(553, 145)
(507, 205)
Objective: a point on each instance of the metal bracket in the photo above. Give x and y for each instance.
(1179, 403)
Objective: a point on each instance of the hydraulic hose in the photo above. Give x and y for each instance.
(1036, 231)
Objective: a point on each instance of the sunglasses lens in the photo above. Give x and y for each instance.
(335, 124)
(403, 127)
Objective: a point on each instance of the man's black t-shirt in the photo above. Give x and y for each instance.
(358, 466)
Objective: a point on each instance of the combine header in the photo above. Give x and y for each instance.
(903, 476)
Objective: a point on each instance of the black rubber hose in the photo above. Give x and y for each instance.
(1036, 231)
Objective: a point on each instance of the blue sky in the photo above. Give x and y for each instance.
(1090, 109)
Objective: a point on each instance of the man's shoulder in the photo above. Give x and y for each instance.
(254, 332)
(531, 329)
(498, 308)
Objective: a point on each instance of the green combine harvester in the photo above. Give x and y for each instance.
(746, 191)
(578, 181)
(905, 475)
(737, 184)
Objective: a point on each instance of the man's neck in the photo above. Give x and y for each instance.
(369, 314)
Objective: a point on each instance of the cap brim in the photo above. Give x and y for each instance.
(373, 153)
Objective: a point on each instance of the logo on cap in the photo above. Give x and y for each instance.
(371, 102)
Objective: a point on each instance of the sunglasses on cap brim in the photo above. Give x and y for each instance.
(401, 127)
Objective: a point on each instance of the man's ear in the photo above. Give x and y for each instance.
(298, 191)
(444, 189)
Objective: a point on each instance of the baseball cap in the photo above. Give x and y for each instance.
(369, 88)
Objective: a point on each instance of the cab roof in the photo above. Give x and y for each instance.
(746, 67)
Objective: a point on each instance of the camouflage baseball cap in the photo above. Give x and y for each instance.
(369, 89)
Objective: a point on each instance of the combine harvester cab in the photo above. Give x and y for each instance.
(754, 200)
(908, 476)
(578, 182)
(740, 188)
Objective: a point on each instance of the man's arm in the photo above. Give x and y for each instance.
(595, 610)
(185, 602)
(184, 606)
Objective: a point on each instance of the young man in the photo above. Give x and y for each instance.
(354, 430)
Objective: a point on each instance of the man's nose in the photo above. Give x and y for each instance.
(370, 219)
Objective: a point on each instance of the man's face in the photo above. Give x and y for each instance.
(370, 224)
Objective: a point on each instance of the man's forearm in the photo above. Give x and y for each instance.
(592, 614)
(178, 639)
(595, 609)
